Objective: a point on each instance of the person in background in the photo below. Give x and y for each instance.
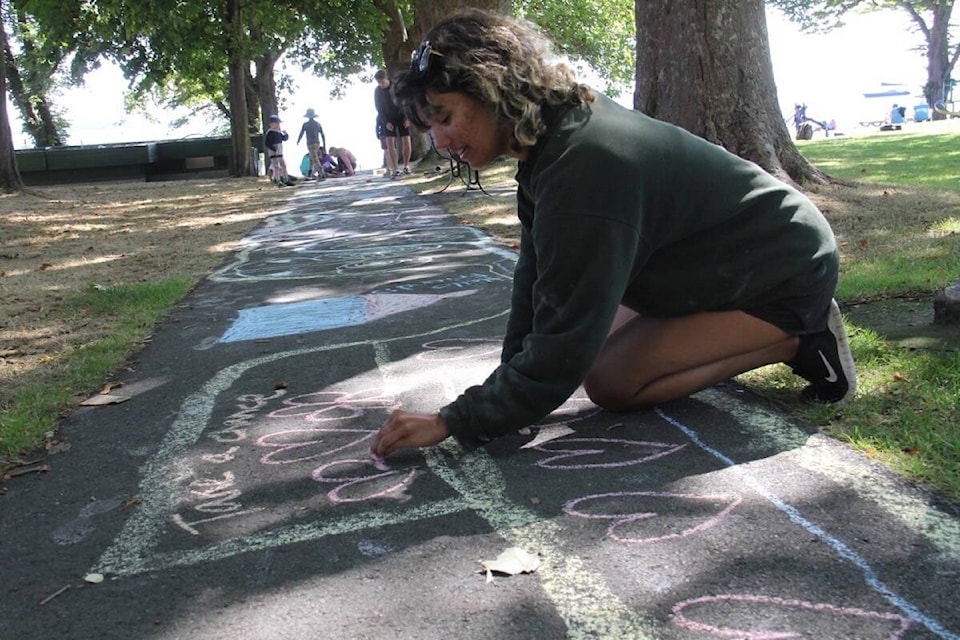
(316, 143)
(652, 264)
(273, 141)
(346, 161)
(394, 128)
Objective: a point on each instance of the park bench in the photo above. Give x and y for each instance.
(458, 169)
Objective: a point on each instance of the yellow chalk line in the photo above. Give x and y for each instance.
(582, 598)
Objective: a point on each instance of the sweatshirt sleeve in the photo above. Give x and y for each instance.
(520, 322)
(582, 264)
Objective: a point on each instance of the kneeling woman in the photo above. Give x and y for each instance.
(653, 264)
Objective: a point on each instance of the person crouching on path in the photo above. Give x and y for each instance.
(652, 263)
(346, 161)
(273, 141)
(316, 143)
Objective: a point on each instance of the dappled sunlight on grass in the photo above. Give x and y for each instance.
(120, 237)
(946, 227)
(931, 160)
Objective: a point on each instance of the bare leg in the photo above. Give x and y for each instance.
(391, 155)
(406, 146)
(316, 169)
(646, 361)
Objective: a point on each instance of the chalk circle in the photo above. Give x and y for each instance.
(329, 406)
(622, 518)
(754, 611)
(299, 445)
(459, 349)
(635, 451)
(380, 484)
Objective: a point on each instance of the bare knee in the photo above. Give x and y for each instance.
(610, 394)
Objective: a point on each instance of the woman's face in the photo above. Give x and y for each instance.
(467, 127)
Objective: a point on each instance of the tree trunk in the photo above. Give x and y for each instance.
(940, 60)
(10, 179)
(256, 114)
(241, 160)
(266, 87)
(38, 119)
(400, 41)
(705, 65)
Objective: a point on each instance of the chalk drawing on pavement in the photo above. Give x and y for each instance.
(294, 318)
(458, 349)
(843, 550)
(323, 256)
(575, 453)
(785, 618)
(137, 548)
(637, 510)
(197, 491)
(352, 485)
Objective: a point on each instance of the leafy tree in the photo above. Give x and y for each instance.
(600, 33)
(51, 44)
(30, 77)
(931, 18)
(705, 65)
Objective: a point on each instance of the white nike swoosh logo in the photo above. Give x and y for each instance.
(831, 374)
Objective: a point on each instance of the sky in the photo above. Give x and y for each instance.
(829, 73)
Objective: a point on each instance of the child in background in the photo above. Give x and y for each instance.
(273, 141)
(316, 142)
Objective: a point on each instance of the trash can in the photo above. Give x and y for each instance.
(921, 113)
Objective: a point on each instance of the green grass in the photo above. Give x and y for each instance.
(912, 159)
(37, 406)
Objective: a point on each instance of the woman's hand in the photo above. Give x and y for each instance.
(403, 429)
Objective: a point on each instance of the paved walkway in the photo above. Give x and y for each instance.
(231, 496)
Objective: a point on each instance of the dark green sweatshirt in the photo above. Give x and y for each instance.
(619, 208)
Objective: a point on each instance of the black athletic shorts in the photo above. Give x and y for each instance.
(399, 131)
(798, 315)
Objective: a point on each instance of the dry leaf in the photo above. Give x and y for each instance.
(511, 562)
(23, 470)
(100, 400)
(899, 377)
(110, 386)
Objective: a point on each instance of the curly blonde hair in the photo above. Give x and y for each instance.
(503, 62)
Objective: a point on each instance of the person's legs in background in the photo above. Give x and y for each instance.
(406, 149)
(390, 149)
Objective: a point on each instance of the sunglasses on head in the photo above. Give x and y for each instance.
(420, 59)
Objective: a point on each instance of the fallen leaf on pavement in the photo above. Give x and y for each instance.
(110, 386)
(511, 562)
(101, 399)
(20, 471)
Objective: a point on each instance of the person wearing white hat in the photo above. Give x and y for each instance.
(316, 143)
